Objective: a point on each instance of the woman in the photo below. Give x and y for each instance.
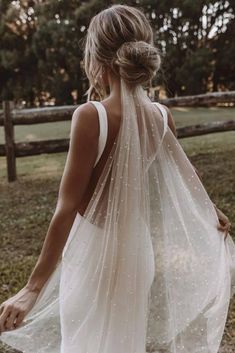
(134, 246)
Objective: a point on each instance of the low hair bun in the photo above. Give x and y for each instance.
(138, 62)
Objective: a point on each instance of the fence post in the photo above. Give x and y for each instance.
(9, 141)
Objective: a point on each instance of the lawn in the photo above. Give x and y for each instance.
(26, 206)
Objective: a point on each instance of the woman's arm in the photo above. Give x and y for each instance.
(224, 223)
(81, 157)
(172, 126)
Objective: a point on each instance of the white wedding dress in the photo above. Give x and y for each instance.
(161, 284)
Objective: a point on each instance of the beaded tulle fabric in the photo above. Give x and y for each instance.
(145, 268)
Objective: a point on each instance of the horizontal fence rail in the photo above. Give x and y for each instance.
(206, 128)
(200, 99)
(40, 115)
(11, 117)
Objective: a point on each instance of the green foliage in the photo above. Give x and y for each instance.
(41, 46)
(192, 76)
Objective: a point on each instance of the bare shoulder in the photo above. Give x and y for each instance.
(171, 122)
(85, 120)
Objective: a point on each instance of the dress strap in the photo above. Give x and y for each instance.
(164, 115)
(103, 123)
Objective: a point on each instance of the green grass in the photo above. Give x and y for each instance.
(190, 116)
(36, 132)
(26, 206)
(36, 166)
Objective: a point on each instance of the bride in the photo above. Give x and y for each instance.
(136, 253)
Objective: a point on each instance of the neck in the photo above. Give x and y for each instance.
(114, 87)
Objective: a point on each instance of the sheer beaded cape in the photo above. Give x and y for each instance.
(146, 267)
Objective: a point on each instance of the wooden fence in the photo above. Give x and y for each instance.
(11, 117)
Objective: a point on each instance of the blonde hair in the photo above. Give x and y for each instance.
(120, 38)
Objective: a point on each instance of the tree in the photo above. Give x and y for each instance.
(17, 59)
(42, 46)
